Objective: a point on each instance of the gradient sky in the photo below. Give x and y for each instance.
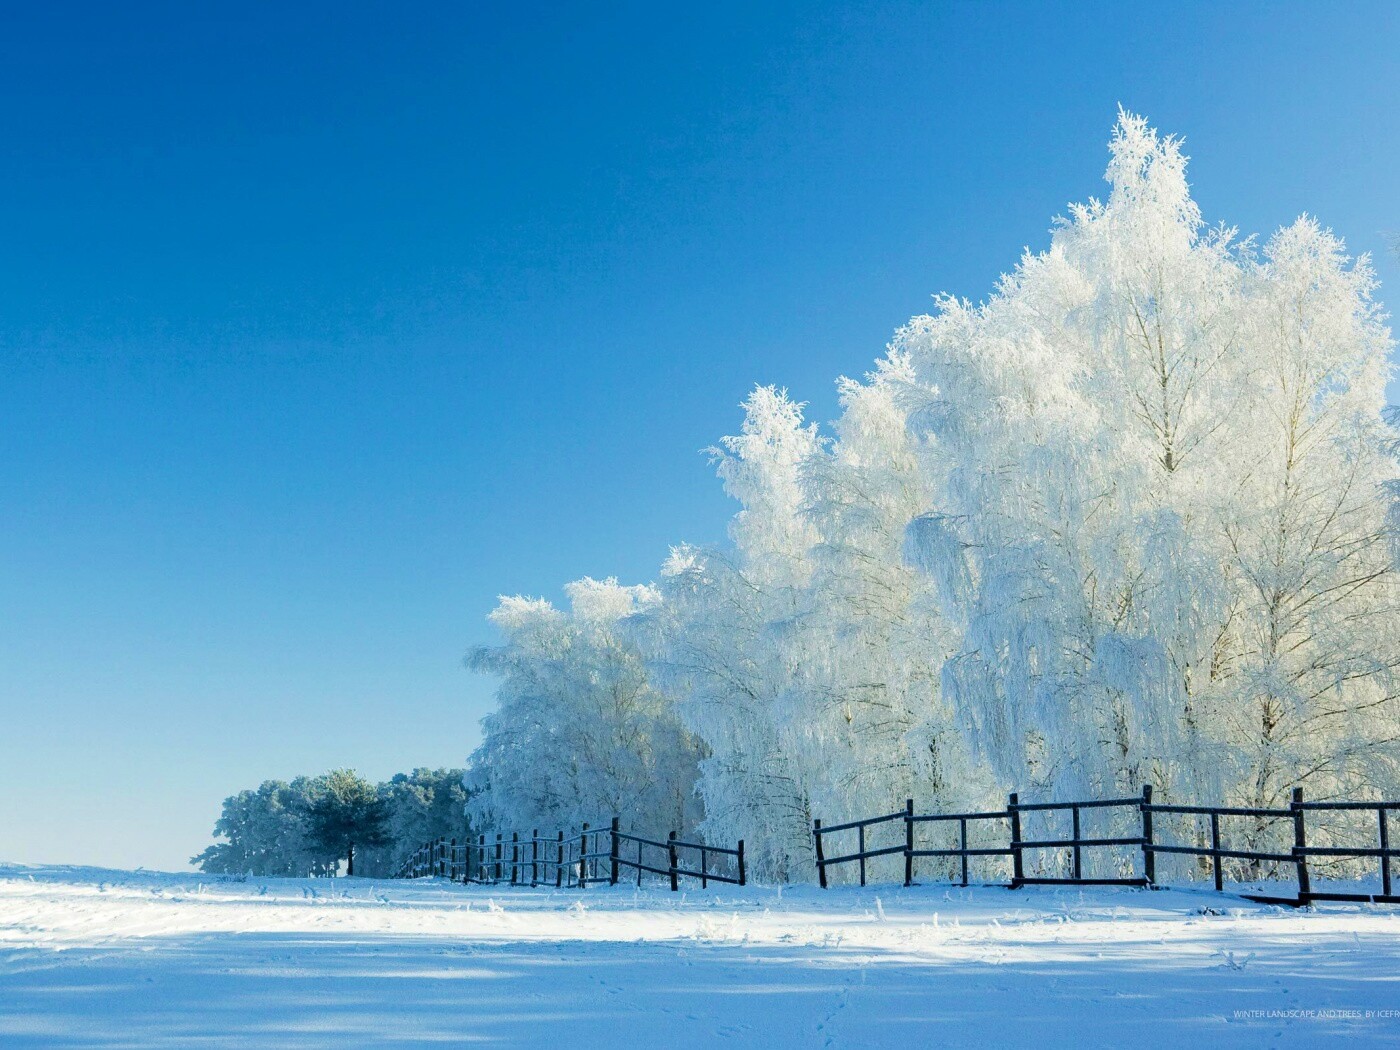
(323, 324)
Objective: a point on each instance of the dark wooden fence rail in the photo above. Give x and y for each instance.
(1215, 852)
(591, 856)
(1136, 852)
(1077, 842)
(703, 852)
(962, 851)
(1380, 852)
(861, 855)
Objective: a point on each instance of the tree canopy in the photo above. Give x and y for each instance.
(305, 827)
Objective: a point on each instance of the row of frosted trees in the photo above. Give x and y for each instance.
(1130, 520)
(311, 825)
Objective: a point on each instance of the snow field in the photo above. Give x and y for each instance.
(94, 958)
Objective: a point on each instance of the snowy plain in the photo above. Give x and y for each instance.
(98, 958)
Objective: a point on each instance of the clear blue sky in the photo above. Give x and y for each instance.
(322, 325)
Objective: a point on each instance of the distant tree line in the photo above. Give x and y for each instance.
(336, 821)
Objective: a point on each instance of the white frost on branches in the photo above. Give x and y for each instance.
(1131, 519)
(580, 732)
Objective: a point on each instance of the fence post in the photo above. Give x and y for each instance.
(742, 873)
(671, 856)
(1149, 858)
(1300, 841)
(559, 865)
(962, 846)
(1383, 814)
(482, 868)
(908, 842)
(452, 862)
(860, 838)
(514, 857)
(1074, 824)
(1215, 850)
(498, 856)
(583, 859)
(534, 856)
(821, 854)
(612, 854)
(1017, 866)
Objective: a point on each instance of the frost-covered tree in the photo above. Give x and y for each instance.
(581, 733)
(344, 812)
(1312, 641)
(882, 728)
(807, 655)
(422, 806)
(727, 640)
(265, 833)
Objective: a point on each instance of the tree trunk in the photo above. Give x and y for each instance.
(350, 864)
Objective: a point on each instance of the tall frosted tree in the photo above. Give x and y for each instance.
(728, 640)
(1312, 642)
(876, 705)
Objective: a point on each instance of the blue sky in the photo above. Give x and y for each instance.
(322, 325)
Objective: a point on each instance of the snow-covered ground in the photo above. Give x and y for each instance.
(90, 957)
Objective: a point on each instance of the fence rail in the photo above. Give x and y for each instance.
(1132, 856)
(587, 857)
(1210, 836)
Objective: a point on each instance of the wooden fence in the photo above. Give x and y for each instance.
(590, 856)
(1129, 857)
